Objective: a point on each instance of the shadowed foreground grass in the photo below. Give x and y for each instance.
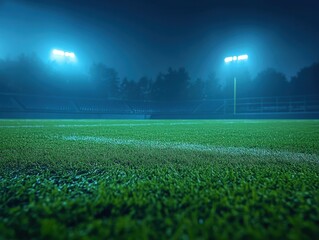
(53, 188)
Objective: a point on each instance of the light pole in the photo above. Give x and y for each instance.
(236, 59)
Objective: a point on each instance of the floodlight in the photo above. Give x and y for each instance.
(228, 59)
(69, 54)
(63, 54)
(243, 57)
(58, 52)
(237, 59)
(61, 57)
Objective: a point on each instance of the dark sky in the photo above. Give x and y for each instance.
(144, 37)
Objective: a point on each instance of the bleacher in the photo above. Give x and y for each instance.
(50, 104)
(293, 104)
(148, 107)
(101, 106)
(220, 107)
(7, 103)
(211, 106)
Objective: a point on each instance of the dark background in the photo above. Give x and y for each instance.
(154, 49)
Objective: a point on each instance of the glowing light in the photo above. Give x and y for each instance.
(62, 57)
(62, 53)
(58, 52)
(243, 57)
(228, 59)
(69, 54)
(236, 58)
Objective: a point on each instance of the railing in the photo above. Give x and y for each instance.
(291, 104)
(262, 105)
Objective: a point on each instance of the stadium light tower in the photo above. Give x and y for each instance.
(228, 60)
(62, 56)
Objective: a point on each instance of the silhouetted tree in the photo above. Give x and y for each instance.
(171, 86)
(212, 88)
(196, 90)
(270, 83)
(144, 86)
(307, 81)
(123, 88)
(106, 80)
(129, 90)
(158, 88)
(244, 84)
(27, 74)
(132, 90)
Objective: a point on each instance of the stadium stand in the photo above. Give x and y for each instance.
(211, 106)
(148, 107)
(50, 104)
(15, 103)
(102, 106)
(8, 103)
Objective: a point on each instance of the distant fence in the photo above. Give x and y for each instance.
(15, 105)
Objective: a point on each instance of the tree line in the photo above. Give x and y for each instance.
(29, 75)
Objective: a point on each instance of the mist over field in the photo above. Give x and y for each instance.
(171, 119)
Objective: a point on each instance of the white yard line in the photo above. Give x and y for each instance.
(23, 126)
(102, 125)
(126, 124)
(236, 151)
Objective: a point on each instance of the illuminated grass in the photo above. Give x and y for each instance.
(54, 187)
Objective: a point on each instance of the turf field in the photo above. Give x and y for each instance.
(231, 179)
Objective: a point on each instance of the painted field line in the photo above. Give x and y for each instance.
(236, 151)
(23, 126)
(101, 125)
(126, 124)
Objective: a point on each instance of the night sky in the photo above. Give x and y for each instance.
(144, 37)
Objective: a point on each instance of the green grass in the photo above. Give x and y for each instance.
(159, 179)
